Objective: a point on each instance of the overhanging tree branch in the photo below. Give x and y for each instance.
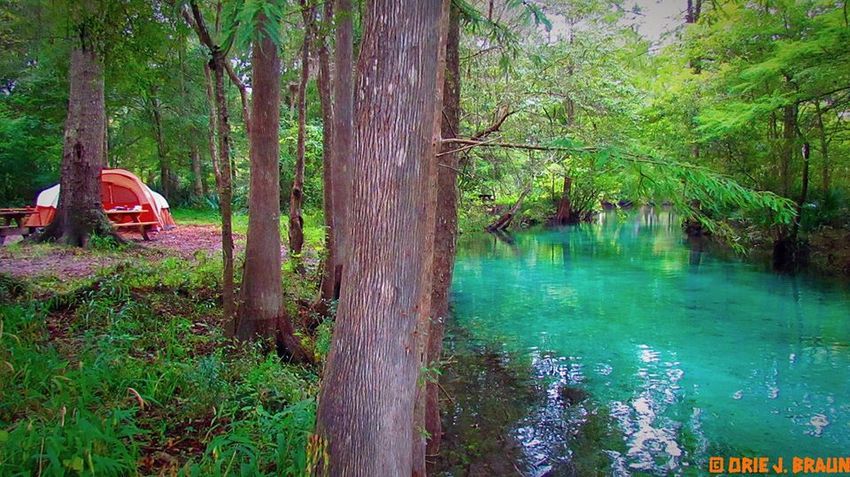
(504, 113)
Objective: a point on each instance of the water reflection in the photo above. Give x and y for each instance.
(683, 355)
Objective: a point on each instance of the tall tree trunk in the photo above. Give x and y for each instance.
(562, 217)
(193, 16)
(429, 215)
(445, 229)
(225, 193)
(80, 211)
(296, 195)
(366, 408)
(824, 150)
(343, 134)
(328, 158)
(162, 154)
(261, 312)
(105, 137)
(211, 137)
(197, 175)
(194, 155)
(804, 194)
(789, 135)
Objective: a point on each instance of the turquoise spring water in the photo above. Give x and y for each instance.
(692, 355)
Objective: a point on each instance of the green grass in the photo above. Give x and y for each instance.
(127, 373)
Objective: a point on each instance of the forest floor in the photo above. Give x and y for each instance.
(197, 232)
(30, 260)
(113, 362)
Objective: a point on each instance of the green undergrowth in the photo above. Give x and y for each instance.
(128, 373)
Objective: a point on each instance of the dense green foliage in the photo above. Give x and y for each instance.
(120, 371)
(575, 75)
(129, 368)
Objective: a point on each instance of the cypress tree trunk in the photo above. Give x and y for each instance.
(261, 312)
(343, 135)
(164, 166)
(193, 16)
(225, 192)
(789, 135)
(562, 217)
(369, 391)
(211, 137)
(197, 175)
(328, 160)
(80, 211)
(445, 229)
(824, 150)
(296, 195)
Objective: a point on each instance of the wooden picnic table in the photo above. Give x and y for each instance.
(18, 215)
(130, 218)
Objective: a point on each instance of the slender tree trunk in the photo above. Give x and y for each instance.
(197, 175)
(445, 230)
(562, 217)
(194, 154)
(296, 195)
(328, 159)
(213, 148)
(225, 193)
(343, 134)
(162, 155)
(261, 313)
(804, 195)
(193, 16)
(824, 150)
(105, 137)
(80, 212)
(789, 134)
(366, 409)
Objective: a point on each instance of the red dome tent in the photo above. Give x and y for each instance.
(119, 189)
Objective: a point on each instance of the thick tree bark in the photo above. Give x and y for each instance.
(343, 134)
(445, 230)
(366, 408)
(326, 101)
(562, 217)
(429, 215)
(296, 195)
(80, 212)
(261, 312)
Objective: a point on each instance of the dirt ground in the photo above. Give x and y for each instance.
(69, 262)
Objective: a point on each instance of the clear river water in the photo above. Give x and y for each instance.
(684, 354)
